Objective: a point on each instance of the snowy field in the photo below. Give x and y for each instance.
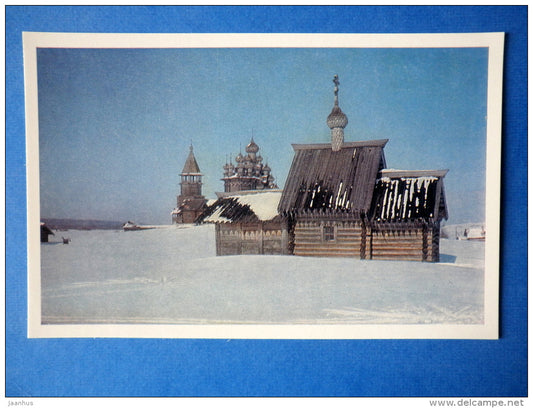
(171, 275)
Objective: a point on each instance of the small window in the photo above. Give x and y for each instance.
(329, 233)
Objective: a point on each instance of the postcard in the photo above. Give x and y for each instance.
(263, 186)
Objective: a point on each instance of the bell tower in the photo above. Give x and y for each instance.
(191, 177)
(191, 202)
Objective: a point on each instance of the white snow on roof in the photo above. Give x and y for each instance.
(216, 216)
(264, 205)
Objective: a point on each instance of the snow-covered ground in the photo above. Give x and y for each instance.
(171, 275)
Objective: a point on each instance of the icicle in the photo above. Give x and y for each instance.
(384, 204)
(411, 189)
(344, 198)
(405, 202)
(426, 185)
(338, 196)
(395, 192)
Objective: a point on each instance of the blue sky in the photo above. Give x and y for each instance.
(115, 124)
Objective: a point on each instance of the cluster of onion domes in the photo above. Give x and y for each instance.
(249, 166)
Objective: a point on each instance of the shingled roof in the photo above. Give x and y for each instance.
(321, 179)
(191, 166)
(403, 195)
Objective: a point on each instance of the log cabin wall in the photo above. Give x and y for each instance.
(240, 238)
(358, 240)
(413, 243)
(328, 238)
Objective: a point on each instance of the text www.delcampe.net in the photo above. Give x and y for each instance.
(471, 402)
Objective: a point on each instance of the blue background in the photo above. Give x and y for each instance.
(135, 367)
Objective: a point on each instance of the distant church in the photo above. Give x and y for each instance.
(249, 173)
(190, 203)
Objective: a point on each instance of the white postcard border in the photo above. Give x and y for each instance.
(488, 330)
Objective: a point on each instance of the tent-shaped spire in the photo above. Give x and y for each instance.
(191, 166)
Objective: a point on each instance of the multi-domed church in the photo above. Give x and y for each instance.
(249, 172)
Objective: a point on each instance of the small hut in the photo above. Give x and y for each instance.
(247, 223)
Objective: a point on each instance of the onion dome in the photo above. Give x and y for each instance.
(239, 158)
(258, 158)
(337, 120)
(266, 168)
(252, 147)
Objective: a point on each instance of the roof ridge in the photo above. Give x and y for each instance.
(413, 173)
(345, 145)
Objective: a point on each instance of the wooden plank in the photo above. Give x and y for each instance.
(308, 239)
(397, 253)
(308, 230)
(397, 235)
(340, 229)
(308, 233)
(328, 247)
(328, 244)
(404, 249)
(353, 254)
(398, 258)
(396, 243)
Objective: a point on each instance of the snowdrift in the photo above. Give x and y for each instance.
(171, 275)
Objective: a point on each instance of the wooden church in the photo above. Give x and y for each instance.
(341, 200)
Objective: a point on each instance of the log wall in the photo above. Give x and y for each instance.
(309, 239)
(351, 239)
(251, 238)
(414, 244)
(355, 239)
